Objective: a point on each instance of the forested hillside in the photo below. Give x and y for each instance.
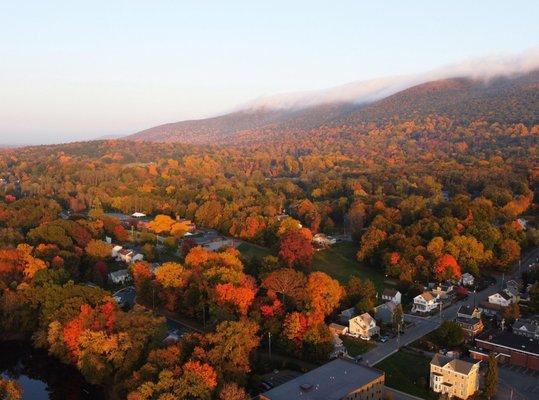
(503, 100)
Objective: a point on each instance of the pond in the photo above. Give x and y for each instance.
(43, 377)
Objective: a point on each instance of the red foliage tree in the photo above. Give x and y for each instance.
(295, 249)
(446, 267)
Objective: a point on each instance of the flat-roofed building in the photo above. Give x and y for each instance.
(340, 379)
(509, 348)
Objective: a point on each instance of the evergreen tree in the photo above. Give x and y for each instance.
(491, 377)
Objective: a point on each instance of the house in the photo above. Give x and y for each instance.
(512, 288)
(425, 303)
(491, 309)
(393, 295)
(347, 314)
(138, 215)
(125, 255)
(442, 291)
(509, 348)
(522, 223)
(384, 313)
(137, 257)
(119, 277)
(322, 240)
(467, 279)
(337, 329)
(340, 379)
(526, 327)
(501, 299)
(115, 251)
(453, 377)
(469, 319)
(363, 326)
(339, 350)
(129, 256)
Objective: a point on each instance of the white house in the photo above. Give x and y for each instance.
(425, 303)
(363, 326)
(391, 295)
(500, 299)
(129, 256)
(119, 277)
(323, 240)
(115, 251)
(138, 215)
(467, 279)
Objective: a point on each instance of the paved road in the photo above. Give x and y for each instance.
(422, 326)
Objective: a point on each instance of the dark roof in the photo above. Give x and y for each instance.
(389, 292)
(509, 340)
(331, 381)
(466, 310)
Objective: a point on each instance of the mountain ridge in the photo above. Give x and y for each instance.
(500, 99)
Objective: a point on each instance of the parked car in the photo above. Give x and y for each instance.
(383, 339)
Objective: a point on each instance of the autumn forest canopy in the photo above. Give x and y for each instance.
(427, 184)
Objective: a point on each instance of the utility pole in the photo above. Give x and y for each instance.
(269, 345)
(440, 311)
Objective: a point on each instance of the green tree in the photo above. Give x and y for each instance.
(491, 377)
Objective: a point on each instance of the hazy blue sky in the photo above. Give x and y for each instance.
(72, 70)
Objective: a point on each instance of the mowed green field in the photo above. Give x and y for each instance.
(341, 263)
(408, 372)
(253, 250)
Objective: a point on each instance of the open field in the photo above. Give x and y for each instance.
(356, 346)
(340, 262)
(253, 250)
(408, 372)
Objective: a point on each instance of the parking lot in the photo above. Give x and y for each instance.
(517, 383)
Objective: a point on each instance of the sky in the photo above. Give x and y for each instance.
(74, 70)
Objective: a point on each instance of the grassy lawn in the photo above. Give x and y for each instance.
(340, 262)
(356, 346)
(404, 371)
(253, 250)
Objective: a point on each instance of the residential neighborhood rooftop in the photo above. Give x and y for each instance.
(331, 381)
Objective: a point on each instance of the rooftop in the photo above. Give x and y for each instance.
(510, 340)
(331, 381)
(390, 292)
(427, 296)
(466, 310)
(460, 366)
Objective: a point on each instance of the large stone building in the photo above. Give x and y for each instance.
(453, 377)
(339, 379)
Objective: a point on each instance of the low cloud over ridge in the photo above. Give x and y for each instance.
(368, 91)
